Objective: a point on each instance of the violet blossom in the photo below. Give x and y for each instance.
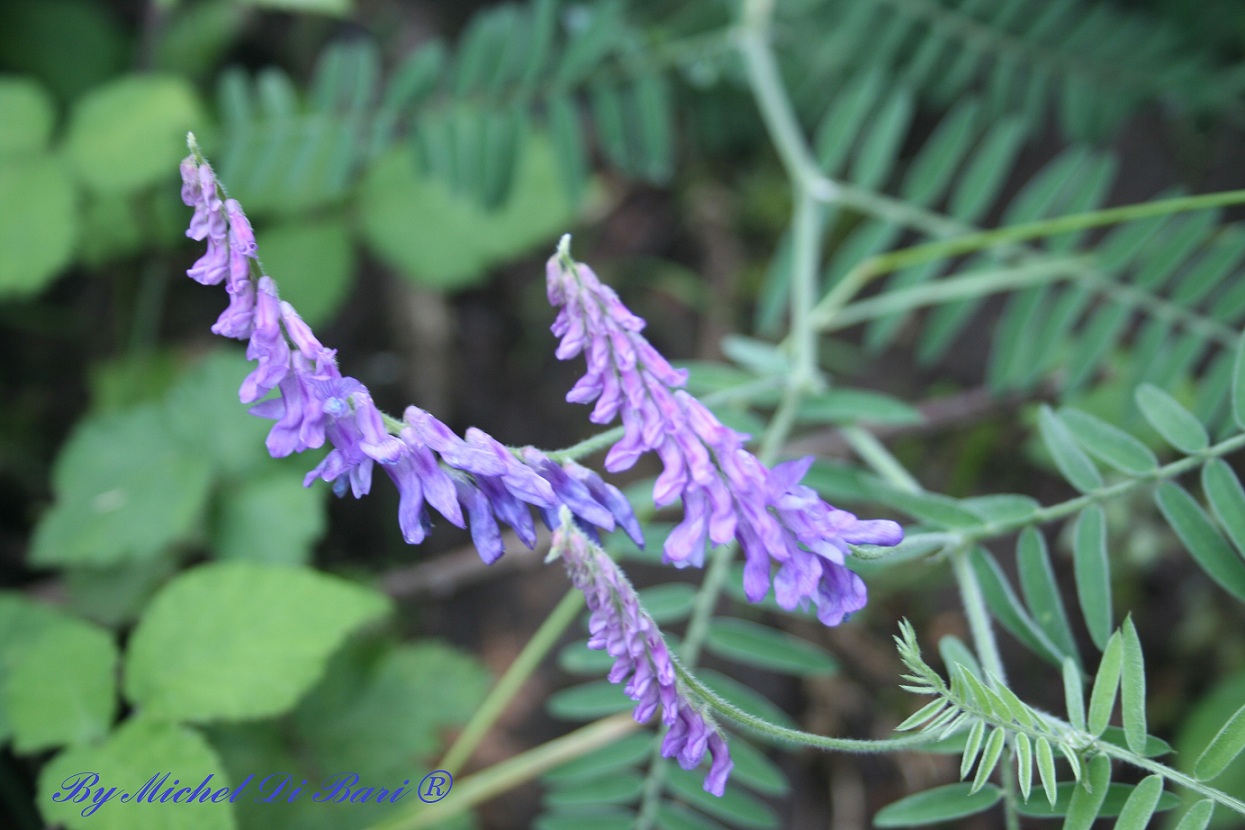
(727, 493)
(473, 480)
(621, 628)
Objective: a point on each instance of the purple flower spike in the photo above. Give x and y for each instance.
(268, 345)
(621, 628)
(727, 493)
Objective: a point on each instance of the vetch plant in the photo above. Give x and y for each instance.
(726, 491)
(949, 167)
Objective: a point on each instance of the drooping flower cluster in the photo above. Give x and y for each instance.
(727, 493)
(472, 479)
(621, 628)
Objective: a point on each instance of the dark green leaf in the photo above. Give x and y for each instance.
(735, 805)
(1006, 606)
(1093, 573)
(1041, 592)
(1109, 443)
(767, 648)
(588, 701)
(625, 752)
(619, 787)
(1068, 456)
(842, 406)
(939, 804)
(39, 203)
(1227, 500)
(1193, 526)
(1223, 749)
(1170, 419)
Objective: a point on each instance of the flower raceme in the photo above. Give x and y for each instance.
(621, 628)
(470, 481)
(474, 481)
(727, 493)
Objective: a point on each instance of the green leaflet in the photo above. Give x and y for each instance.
(940, 804)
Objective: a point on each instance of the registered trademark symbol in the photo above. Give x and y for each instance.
(435, 786)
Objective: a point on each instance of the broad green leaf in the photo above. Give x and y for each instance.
(39, 204)
(1041, 592)
(1066, 453)
(1133, 688)
(1141, 804)
(27, 115)
(234, 641)
(22, 621)
(1108, 442)
(1193, 526)
(204, 413)
(588, 701)
(1198, 817)
(620, 787)
(1178, 426)
(269, 518)
(1227, 500)
(61, 687)
(1223, 748)
(137, 755)
(455, 241)
(767, 648)
(312, 261)
(126, 488)
(131, 132)
(1088, 796)
(71, 45)
(1106, 685)
(946, 803)
(1093, 573)
(625, 752)
(735, 806)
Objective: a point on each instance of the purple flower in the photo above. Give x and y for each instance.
(727, 493)
(621, 628)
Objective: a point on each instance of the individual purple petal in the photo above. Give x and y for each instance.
(213, 267)
(267, 345)
(241, 237)
(484, 530)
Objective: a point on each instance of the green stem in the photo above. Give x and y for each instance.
(781, 735)
(1175, 776)
(874, 453)
(518, 673)
(480, 787)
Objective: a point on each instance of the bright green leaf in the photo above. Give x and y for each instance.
(1117, 795)
(312, 261)
(62, 687)
(1141, 804)
(126, 487)
(27, 114)
(141, 750)
(1223, 748)
(269, 518)
(1041, 592)
(1198, 817)
(1088, 796)
(1227, 500)
(39, 205)
(238, 640)
(989, 758)
(1074, 695)
(131, 132)
(1106, 685)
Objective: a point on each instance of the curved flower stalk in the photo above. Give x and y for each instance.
(727, 493)
(467, 480)
(620, 627)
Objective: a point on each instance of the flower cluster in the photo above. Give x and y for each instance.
(622, 629)
(727, 493)
(472, 479)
